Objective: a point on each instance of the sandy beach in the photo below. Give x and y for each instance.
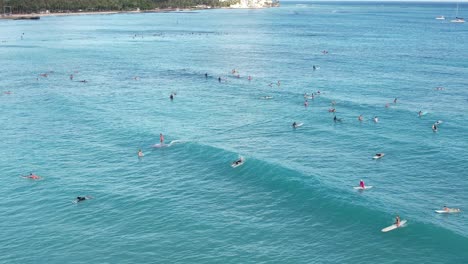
(30, 16)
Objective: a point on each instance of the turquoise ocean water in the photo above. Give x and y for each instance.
(292, 201)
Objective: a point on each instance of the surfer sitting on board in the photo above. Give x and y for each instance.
(360, 118)
(161, 138)
(434, 127)
(361, 183)
(294, 124)
(397, 221)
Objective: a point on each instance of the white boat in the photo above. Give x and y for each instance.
(457, 19)
(440, 18)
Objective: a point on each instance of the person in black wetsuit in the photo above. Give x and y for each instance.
(82, 198)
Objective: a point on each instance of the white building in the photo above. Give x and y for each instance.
(253, 3)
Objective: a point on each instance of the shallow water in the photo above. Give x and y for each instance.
(292, 201)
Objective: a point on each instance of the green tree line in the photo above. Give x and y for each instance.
(35, 6)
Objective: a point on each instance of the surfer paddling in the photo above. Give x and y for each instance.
(451, 210)
(82, 198)
(32, 176)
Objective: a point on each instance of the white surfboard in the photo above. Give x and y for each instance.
(450, 211)
(378, 157)
(299, 125)
(266, 97)
(422, 114)
(394, 226)
(236, 164)
(439, 122)
(360, 188)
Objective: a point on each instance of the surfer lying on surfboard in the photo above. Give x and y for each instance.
(82, 198)
(378, 155)
(238, 162)
(451, 210)
(32, 176)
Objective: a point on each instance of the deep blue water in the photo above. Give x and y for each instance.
(292, 201)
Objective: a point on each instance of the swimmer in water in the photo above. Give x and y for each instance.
(434, 127)
(161, 138)
(219, 79)
(206, 75)
(278, 83)
(249, 78)
(306, 103)
(71, 77)
(140, 153)
(376, 119)
(395, 100)
(360, 118)
(171, 97)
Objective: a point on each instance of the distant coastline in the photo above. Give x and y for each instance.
(17, 13)
(84, 13)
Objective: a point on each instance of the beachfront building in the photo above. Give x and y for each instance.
(252, 3)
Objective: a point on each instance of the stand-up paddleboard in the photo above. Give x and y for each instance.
(378, 156)
(360, 188)
(394, 226)
(238, 162)
(298, 125)
(449, 211)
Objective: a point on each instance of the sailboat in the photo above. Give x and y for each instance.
(458, 19)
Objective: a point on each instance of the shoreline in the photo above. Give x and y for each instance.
(31, 15)
(86, 13)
